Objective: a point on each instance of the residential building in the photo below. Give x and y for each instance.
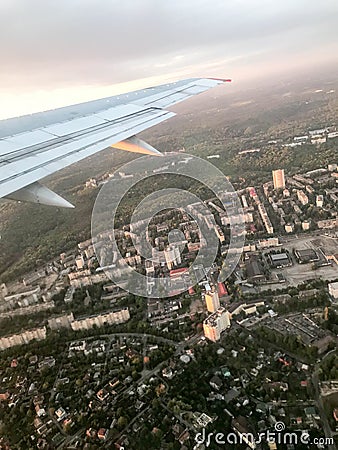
(55, 323)
(333, 289)
(79, 261)
(266, 243)
(318, 139)
(265, 218)
(172, 256)
(309, 189)
(278, 179)
(23, 338)
(212, 301)
(69, 294)
(319, 201)
(216, 323)
(302, 197)
(102, 434)
(306, 225)
(219, 234)
(119, 316)
(289, 227)
(328, 223)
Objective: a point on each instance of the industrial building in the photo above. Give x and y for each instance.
(305, 256)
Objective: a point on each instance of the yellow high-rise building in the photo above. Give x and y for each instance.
(216, 323)
(212, 301)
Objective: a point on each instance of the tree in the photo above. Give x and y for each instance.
(122, 422)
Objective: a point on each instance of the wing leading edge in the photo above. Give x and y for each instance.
(35, 146)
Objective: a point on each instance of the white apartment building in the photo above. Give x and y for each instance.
(302, 197)
(23, 338)
(172, 256)
(110, 318)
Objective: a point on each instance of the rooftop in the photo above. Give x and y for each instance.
(278, 256)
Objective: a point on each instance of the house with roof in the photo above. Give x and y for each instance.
(216, 382)
(102, 434)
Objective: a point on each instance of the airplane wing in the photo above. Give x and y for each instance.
(37, 145)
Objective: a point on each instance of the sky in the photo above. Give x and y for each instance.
(55, 53)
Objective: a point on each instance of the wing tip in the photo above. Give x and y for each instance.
(222, 80)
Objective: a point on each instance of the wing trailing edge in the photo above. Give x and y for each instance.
(136, 145)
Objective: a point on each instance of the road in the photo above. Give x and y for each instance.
(179, 418)
(109, 442)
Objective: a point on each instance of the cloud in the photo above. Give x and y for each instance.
(77, 43)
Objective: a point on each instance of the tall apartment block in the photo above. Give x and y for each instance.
(216, 323)
(278, 179)
(212, 301)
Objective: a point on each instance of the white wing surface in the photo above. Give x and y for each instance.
(35, 146)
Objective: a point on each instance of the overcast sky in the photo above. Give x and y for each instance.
(60, 52)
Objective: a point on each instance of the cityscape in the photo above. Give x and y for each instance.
(267, 334)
